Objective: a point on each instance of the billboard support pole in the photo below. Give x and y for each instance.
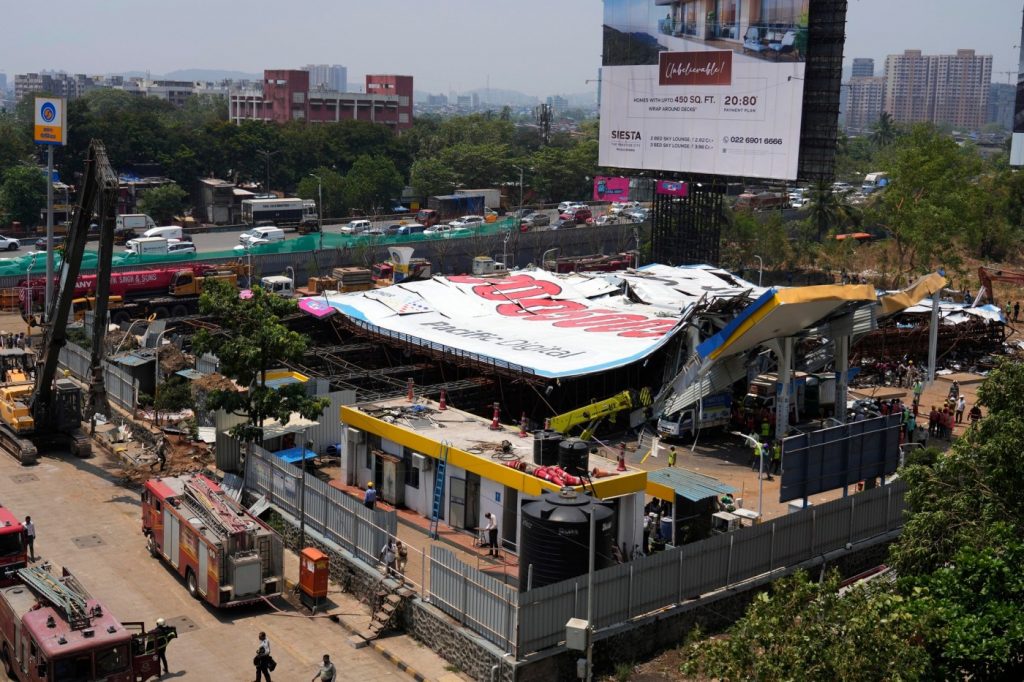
(49, 231)
(784, 353)
(933, 338)
(842, 353)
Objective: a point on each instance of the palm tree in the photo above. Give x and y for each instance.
(884, 131)
(828, 209)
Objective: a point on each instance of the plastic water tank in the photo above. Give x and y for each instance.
(555, 537)
(574, 456)
(545, 447)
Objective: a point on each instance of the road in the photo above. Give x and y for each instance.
(91, 525)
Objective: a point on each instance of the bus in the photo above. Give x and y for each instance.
(278, 211)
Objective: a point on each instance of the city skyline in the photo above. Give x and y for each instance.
(422, 40)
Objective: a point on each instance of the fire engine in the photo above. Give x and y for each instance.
(227, 556)
(53, 630)
(13, 545)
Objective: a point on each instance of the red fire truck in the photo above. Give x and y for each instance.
(53, 630)
(227, 556)
(13, 545)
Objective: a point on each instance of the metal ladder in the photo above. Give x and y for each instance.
(439, 476)
(66, 594)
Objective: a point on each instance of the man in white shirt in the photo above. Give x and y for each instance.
(30, 537)
(492, 533)
(263, 658)
(327, 671)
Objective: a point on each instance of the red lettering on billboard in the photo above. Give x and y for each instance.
(695, 68)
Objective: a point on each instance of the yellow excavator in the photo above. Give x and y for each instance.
(596, 412)
(38, 408)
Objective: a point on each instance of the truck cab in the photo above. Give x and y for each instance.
(485, 265)
(715, 411)
(278, 285)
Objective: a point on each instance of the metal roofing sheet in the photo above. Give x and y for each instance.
(689, 484)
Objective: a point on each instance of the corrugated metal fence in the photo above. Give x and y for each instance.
(632, 589)
(478, 601)
(522, 623)
(122, 389)
(340, 519)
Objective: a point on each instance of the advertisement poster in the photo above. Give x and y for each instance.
(703, 86)
(611, 189)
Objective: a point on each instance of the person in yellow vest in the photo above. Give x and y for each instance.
(672, 456)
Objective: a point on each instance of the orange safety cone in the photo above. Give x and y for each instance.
(622, 458)
(443, 403)
(495, 424)
(547, 424)
(408, 388)
(522, 426)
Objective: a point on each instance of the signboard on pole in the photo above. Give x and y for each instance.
(51, 121)
(611, 189)
(704, 87)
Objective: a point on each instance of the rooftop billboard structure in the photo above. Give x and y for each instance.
(704, 86)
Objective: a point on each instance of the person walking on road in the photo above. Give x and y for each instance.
(492, 534)
(370, 496)
(327, 672)
(264, 662)
(30, 537)
(672, 456)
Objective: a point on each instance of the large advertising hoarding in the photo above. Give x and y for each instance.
(1017, 143)
(704, 86)
(611, 189)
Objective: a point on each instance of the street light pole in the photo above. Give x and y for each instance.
(760, 269)
(266, 157)
(319, 206)
(520, 212)
(156, 378)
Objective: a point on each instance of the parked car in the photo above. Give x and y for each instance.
(468, 221)
(637, 215)
(449, 230)
(609, 220)
(567, 205)
(356, 227)
(180, 247)
(58, 243)
(577, 215)
(412, 228)
(534, 220)
(623, 206)
(392, 230)
(9, 244)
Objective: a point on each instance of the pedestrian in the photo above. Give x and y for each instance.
(648, 522)
(30, 537)
(162, 636)
(403, 556)
(388, 556)
(975, 414)
(776, 467)
(1016, 311)
(327, 672)
(961, 405)
(933, 422)
(492, 533)
(672, 456)
(370, 496)
(766, 430)
(161, 454)
(264, 662)
(755, 453)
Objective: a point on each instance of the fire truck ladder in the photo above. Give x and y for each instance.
(65, 594)
(214, 511)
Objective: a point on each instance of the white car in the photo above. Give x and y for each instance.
(449, 230)
(9, 244)
(468, 221)
(566, 205)
(356, 227)
(623, 206)
(179, 246)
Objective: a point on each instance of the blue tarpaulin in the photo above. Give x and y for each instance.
(294, 455)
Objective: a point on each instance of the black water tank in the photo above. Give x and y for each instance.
(556, 537)
(545, 447)
(574, 456)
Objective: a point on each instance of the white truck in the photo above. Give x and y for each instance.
(714, 411)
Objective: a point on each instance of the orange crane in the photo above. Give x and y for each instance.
(988, 275)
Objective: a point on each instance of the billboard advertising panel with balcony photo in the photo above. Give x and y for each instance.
(704, 86)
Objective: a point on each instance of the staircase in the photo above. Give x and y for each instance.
(387, 602)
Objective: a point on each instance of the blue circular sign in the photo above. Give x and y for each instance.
(48, 112)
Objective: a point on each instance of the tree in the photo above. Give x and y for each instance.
(23, 194)
(15, 144)
(163, 203)
(431, 177)
(372, 181)
(331, 185)
(806, 630)
(174, 395)
(884, 132)
(254, 340)
(828, 209)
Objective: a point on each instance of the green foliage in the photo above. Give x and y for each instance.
(884, 132)
(806, 630)
(163, 203)
(255, 341)
(432, 177)
(174, 394)
(830, 211)
(23, 194)
(746, 235)
(371, 182)
(15, 143)
(332, 185)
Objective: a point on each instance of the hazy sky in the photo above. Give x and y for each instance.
(539, 47)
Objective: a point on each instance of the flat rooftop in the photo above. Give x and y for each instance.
(422, 426)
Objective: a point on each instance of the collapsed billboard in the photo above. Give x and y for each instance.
(703, 86)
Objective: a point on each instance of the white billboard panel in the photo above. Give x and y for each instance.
(703, 86)
(1017, 143)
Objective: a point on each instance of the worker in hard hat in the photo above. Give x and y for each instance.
(370, 496)
(162, 634)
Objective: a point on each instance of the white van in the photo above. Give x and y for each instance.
(146, 246)
(279, 285)
(167, 232)
(175, 246)
(134, 221)
(261, 235)
(356, 227)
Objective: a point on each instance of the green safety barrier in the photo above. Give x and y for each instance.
(35, 262)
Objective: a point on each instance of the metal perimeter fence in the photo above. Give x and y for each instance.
(522, 623)
(121, 387)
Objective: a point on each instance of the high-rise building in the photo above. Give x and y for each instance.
(863, 67)
(1001, 104)
(945, 88)
(327, 77)
(3, 82)
(866, 95)
(58, 84)
(558, 103)
(287, 95)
